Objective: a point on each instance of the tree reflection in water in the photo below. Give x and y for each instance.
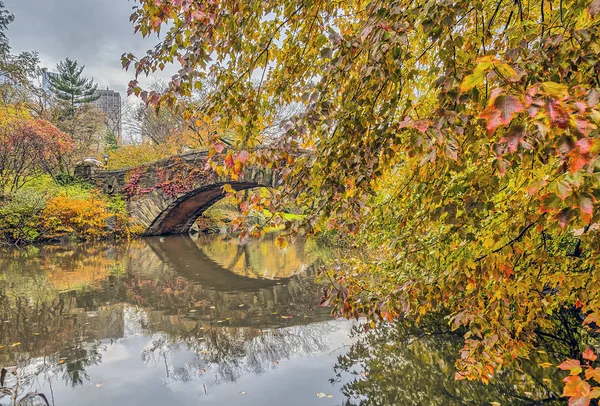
(225, 354)
(400, 364)
(61, 308)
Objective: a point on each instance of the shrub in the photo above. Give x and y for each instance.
(86, 217)
(129, 156)
(20, 216)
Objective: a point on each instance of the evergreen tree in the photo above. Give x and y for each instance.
(71, 87)
(111, 141)
(6, 17)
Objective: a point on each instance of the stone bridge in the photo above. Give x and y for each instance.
(167, 196)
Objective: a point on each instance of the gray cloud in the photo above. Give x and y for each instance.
(94, 32)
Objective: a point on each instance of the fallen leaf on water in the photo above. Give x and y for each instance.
(242, 393)
(203, 370)
(242, 305)
(192, 311)
(99, 384)
(321, 395)
(228, 318)
(275, 362)
(329, 396)
(212, 307)
(275, 313)
(36, 334)
(15, 344)
(61, 361)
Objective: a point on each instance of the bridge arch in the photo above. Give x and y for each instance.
(160, 203)
(179, 216)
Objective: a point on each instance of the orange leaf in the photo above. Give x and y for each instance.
(229, 160)
(576, 387)
(590, 355)
(593, 373)
(572, 365)
(591, 318)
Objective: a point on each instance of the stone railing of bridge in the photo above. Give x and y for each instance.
(167, 196)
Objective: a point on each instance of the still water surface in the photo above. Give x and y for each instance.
(173, 321)
(210, 321)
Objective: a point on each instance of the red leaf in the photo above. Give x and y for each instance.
(422, 125)
(564, 217)
(582, 125)
(586, 203)
(501, 111)
(579, 401)
(243, 156)
(584, 145)
(508, 106)
(557, 114)
(578, 160)
(219, 147)
(572, 365)
(198, 15)
(514, 137)
(590, 355)
(229, 160)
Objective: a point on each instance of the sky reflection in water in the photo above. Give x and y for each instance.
(180, 321)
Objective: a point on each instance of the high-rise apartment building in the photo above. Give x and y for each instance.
(110, 103)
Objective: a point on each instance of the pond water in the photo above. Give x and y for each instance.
(211, 321)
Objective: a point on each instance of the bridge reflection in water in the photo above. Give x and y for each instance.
(160, 313)
(209, 321)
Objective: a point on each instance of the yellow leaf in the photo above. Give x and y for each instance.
(488, 242)
(281, 243)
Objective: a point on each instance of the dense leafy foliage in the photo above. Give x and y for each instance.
(457, 139)
(70, 87)
(28, 147)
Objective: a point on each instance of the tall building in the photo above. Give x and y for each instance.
(110, 103)
(46, 75)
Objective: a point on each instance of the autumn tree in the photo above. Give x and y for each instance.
(457, 140)
(87, 128)
(28, 148)
(17, 72)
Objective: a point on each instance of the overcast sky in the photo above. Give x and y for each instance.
(94, 32)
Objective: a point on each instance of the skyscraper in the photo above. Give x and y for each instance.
(110, 103)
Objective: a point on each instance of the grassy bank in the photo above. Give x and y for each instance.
(46, 211)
